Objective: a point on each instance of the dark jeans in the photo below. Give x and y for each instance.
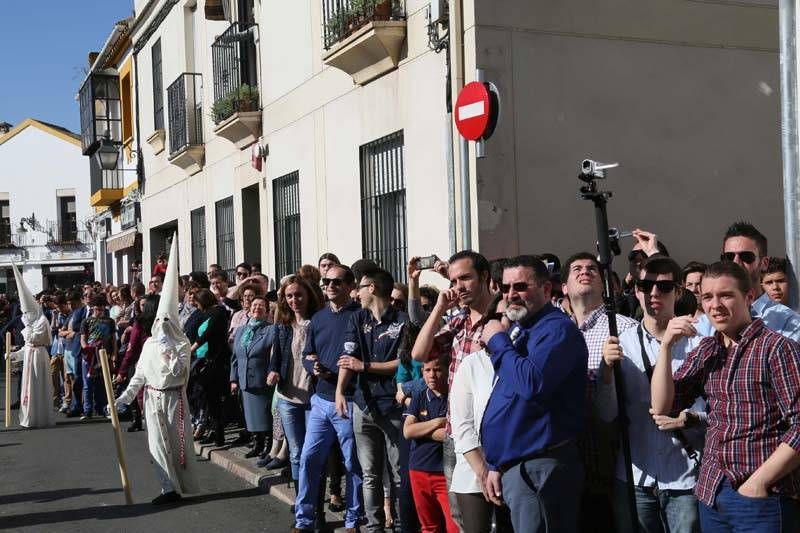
(735, 513)
(476, 513)
(543, 492)
(659, 511)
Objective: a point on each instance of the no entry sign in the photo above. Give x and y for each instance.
(476, 111)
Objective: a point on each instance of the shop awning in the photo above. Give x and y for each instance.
(123, 240)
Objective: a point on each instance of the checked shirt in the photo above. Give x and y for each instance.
(754, 405)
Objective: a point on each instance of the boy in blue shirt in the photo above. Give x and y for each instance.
(425, 420)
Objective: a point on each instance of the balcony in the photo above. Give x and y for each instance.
(363, 37)
(185, 107)
(66, 232)
(101, 110)
(106, 186)
(236, 109)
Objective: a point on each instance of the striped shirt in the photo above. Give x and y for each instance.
(753, 405)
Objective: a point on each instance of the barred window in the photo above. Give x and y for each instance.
(5, 223)
(198, 219)
(383, 204)
(286, 206)
(158, 87)
(226, 249)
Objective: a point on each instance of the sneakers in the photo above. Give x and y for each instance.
(86, 417)
(64, 409)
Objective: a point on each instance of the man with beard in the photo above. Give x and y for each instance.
(536, 410)
(582, 284)
(469, 291)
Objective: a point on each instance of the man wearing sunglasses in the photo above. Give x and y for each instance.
(324, 342)
(747, 247)
(665, 473)
(583, 287)
(646, 244)
(536, 410)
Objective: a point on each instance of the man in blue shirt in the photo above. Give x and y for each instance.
(371, 345)
(536, 411)
(324, 342)
(747, 247)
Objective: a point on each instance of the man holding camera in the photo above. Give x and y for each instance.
(461, 334)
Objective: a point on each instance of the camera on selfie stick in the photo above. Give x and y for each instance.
(607, 243)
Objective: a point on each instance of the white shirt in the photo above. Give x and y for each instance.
(468, 397)
(658, 457)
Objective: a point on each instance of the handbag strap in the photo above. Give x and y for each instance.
(648, 370)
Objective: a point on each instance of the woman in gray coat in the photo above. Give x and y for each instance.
(249, 368)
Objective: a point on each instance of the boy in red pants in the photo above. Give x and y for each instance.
(426, 416)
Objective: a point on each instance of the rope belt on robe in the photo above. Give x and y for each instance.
(182, 431)
(27, 385)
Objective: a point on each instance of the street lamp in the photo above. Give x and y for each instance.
(107, 154)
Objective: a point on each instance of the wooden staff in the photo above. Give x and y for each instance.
(8, 378)
(123, 471)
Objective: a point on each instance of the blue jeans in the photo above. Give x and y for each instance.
(324, 426)
(733, 512)
(75, 367)
(294, 417)
(659, 511)
(94, 395)
(543, 493)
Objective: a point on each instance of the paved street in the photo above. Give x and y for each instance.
(67, 478)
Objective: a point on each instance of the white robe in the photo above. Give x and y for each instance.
(161, 409)
(36, 398)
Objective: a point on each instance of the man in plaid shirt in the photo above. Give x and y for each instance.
(749, 479)
(469, 290)
(582, 283)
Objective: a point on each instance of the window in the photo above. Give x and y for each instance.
(158, 88)
(67, 221)
(5, 223)
(126, 97)
(198, 218)
(286, 204)
(383, 204)
(225, 239)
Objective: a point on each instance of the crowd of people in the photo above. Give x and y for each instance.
(491, 405)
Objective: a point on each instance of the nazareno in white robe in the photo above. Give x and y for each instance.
(36, 397)
(164, 379)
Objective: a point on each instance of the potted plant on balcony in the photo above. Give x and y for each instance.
(243, 99)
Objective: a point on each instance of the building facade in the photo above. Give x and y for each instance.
(45, 222)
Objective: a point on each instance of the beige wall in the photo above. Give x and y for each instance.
(683, 94)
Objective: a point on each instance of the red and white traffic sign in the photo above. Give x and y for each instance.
(473, 110)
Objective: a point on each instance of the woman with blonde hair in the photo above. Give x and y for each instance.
(297, 302)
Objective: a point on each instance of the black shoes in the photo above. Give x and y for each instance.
(136, 426)
(167, 497)
(212, 438)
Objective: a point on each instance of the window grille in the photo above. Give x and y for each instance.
(383, 204)
(225, 238)
(158, 87)
(198, 219)
(286, 206)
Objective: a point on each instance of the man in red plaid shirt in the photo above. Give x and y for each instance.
(749, 478)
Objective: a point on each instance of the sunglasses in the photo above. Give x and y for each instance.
(746, 257)
(520, 286)
(635, 255)
(336, 282)
(665, 286)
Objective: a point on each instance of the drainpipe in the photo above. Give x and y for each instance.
(457, 82)
(789, 148)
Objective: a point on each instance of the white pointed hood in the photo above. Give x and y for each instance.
(31, 310)
(166, 327)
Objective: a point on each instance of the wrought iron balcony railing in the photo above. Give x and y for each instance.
(185, 100)
(343, 17)
(67, 232)
(235, 81)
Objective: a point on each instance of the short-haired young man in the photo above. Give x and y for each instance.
(692, 276)
(97, 332)
(461, 334)
(663, 470)
(325, 338)
(79, 311)
(372, 340)
(583, 285)
(536, 410)
(775, 280)
(749, 478)
(744, 245)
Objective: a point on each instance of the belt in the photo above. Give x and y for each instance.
(182, 430)
(537, 455)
